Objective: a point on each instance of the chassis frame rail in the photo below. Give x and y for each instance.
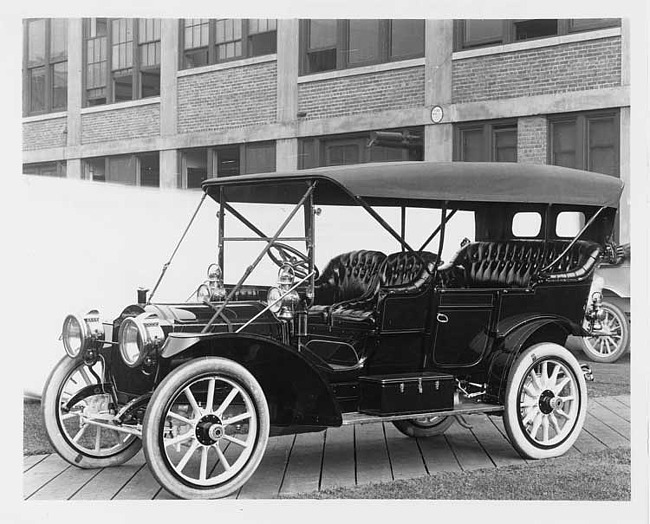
(465, 408)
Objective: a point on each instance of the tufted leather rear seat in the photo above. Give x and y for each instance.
(403, 272)
(518, 263)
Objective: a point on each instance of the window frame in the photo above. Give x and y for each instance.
(60, 165)
(489, 128)
(384, 46)
(212, 43)
(320, 143)
(136, 67)
(508, 31)
(48, 65)
(582, 120)
(212, 153)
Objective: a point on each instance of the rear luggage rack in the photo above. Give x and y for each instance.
(464, 408)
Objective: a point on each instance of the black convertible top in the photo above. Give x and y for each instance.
(425, 184)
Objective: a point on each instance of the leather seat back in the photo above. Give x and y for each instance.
(407, 271)
(349, 276)
(515, 263)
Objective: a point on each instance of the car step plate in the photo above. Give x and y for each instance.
(465, 408)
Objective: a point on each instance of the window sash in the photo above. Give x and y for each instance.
(122, 64)
(509, 32)
(488, 141)
(337, 54)
(44, 59)
(581, 147)
(213, 41)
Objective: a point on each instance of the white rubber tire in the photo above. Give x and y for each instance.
(163, 399)
(597, 349)
(520, 383)
(63, 444)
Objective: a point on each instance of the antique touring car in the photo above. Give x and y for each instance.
(404, 336)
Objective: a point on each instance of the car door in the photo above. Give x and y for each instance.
(462, 319)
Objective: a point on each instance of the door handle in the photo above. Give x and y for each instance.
(442, 318)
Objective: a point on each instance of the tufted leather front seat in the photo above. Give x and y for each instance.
(518, 263)
(349, 276)
(403, 272)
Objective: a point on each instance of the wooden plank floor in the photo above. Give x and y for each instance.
(346, 456)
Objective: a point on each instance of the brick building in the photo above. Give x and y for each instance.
(170, 102)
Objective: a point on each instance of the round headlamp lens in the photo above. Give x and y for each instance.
(130, 342)
(73, 335)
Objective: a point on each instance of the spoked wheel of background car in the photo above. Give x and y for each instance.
(71, 434)
(614, 340)
(424, 426)
(546, 401)
(206, 429)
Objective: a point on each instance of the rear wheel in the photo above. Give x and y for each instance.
(206, 429)
(72, 436)
(424, 426)
(614, 340)
(546, 401)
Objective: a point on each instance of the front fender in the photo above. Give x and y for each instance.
(516, 334)
(296, 391)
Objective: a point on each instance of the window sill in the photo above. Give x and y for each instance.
(228, 65)
(535, 44)
(121, 105)
(362, 70)
(45, 116)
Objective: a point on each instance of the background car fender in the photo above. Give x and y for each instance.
(296, 392)
(516, 334)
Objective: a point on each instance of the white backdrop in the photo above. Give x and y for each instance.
(83, 245)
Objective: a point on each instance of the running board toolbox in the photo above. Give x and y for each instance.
(406, 393)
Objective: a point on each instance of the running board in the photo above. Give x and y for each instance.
(467, 408)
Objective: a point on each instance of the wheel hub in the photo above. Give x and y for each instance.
(209, 430)
(548, 402)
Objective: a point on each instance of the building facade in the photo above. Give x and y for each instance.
(169, 102)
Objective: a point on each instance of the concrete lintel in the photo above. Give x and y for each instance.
(44, 155)
(540, 104)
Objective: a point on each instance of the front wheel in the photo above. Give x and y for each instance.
(614, 339)
(546, 401)
(78, 441)
(424, 426)
(206, 429)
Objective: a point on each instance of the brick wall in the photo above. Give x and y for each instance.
(366, 93)
(532, 140)
(44, 134)
(576, 66)
(120, 124)
(228, 98)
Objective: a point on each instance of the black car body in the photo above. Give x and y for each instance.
(373, 336)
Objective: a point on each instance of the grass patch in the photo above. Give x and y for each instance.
(609, 379)
(603, 475)
(35, 441)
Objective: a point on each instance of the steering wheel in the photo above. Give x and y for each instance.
(299, 261)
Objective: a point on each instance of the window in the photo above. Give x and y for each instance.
(45, 66)
(198, 164)
(340, 44)
(122, 59)
(209, 41)
(494, 141)
(56, 169)
(526, 224)
(358, 148)
(469, 34)
(132, 170)
(569, 223)
(588, 141)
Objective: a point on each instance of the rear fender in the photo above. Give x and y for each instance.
(514, 337)
(295, 390)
